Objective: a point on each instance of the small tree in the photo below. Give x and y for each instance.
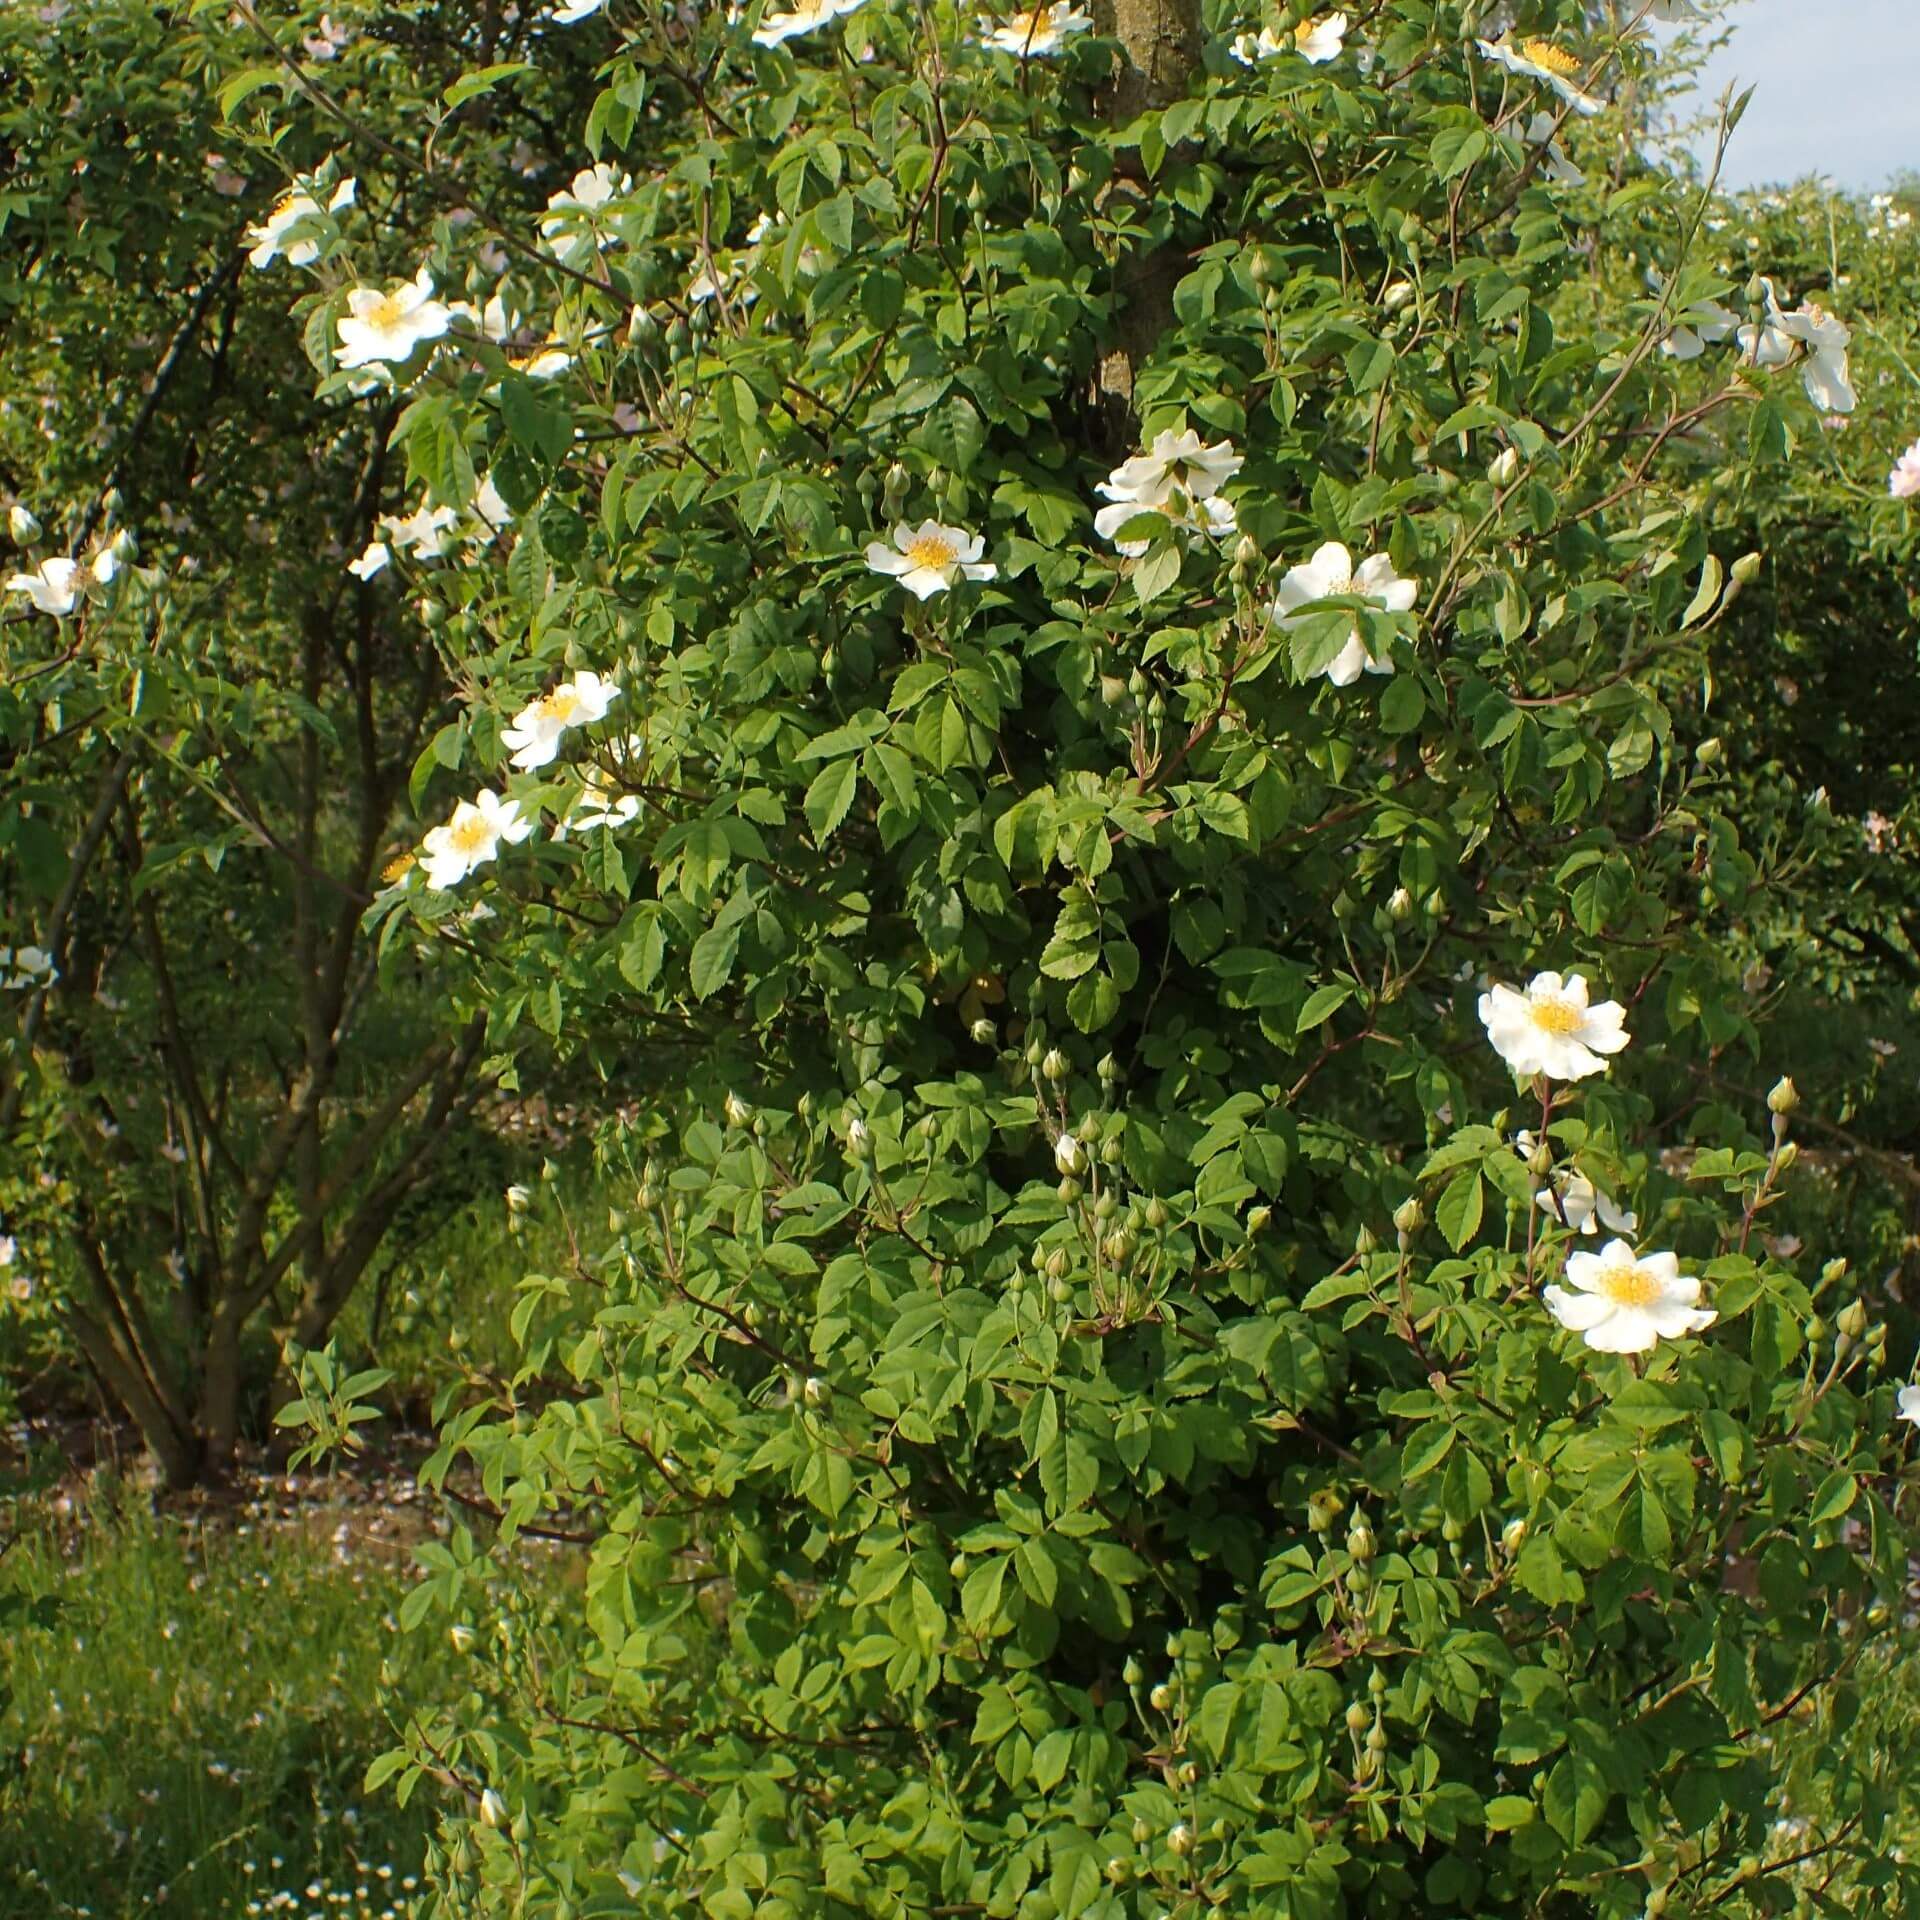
(213, 1097)
(1131, 1384)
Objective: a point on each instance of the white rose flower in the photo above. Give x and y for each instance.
(372, 561)
(1904, 481)
(53, 586)
(487, 507)
(1824, 373)
(534, 737)
(1331, 572)
(384, 329)
(423, 533)
(1320, 39)
(1627, 1304)
(1213, 516)
(1037, 32)
(577, 11)
(1068, 1154)
(1580, 1205)
(27, 967)
(777, 28)
(1539, 59)
(1555, 167)
(1175, 463)
(471, 838)
(575, 224)
(598, 806)
(1773, 342)
(292, 210)
(929, 558)
(1551, 1028)
(1316, 41)
(1908, 1405)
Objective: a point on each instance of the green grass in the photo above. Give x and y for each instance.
(186, 1714)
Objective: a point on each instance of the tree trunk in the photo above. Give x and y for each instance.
(1161, 44)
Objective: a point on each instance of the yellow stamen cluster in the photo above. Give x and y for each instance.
(930, 551)
(470, 834)
(1556, 1016)
(1629, 1286)
(1543, 53)
(397, 868)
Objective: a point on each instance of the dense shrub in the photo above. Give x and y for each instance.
(1091, 610)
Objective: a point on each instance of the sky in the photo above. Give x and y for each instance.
(1837, 84)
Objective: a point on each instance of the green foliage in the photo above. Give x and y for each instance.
(1075, 1417)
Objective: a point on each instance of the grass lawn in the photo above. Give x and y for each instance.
(187, 1707)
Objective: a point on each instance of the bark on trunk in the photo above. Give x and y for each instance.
(1161, 49)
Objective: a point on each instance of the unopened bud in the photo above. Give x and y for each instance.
(1156, 1213)
(1397, 295)
(1132, 1673)
(1785, 1155)
(1161, 1698)
(1246, 552)
(1784, 1097)
(462, 1636)
(493, 1810)
(1409, 1217)
(893, 490)
(1142, 1832)
(859, 1140)
(1055, 1066)
(1834, 1272)
(1360, 1542)
(1118, 1247)
(519, 1199)
(1506, 464)
(22, 525)
(1740, 577)
(1068, 1154)
(1358, 1718)
(1540, 1161)
(737, 1111)
(1852, 1319)
(1057, 1264)
(814, 1391)
(1513, 1536)
(1377, 1740)
(1180, 1840)
(1709, 752)
(1257, 1218)
(982, 1033)
(1399, 904)
(1365, 1241)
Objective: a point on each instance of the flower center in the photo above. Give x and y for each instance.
(285, 205)
(471, 834)
(1557, 1016)
(1629, 1286)
(1306, 30)
(387, 313)
(930, 549)
(396, 868)
(1543, 53)
(561, 705)
(1034, 21)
